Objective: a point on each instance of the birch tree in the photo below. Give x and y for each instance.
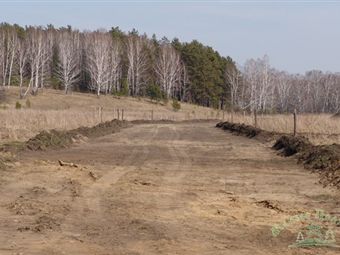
(35, 51)
(12, 41)
(258, 77)
(233, 77)
(98, 45)
(22, 57)
(2, 55)
(115, 66)
(46, 56)
(8, 50)
(137, 62)
(282, 89)
(69, 50)
(167, 69)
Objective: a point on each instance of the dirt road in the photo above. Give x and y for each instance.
(158, 189)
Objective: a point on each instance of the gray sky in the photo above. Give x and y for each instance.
(296, 35)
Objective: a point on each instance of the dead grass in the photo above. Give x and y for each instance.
(51, 109)
(319, 128)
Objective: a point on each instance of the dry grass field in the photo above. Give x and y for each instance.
(51, 109)
(319, 128)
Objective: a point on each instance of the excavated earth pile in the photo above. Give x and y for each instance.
(54, 139)
(247, 130)
(290, 145)
(325, 159)
(164, 121)
(60, 139)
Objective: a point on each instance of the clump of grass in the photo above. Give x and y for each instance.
(28, 103)
(18, 105)
(176, 106)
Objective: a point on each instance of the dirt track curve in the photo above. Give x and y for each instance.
(157, 189)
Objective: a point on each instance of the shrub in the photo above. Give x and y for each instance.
(2, 95)
(17, 105)
(124, 91)
(125, 88)
(28, 103)
(176, 105)
(165, 99)
(154, 92)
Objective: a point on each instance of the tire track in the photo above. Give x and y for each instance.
(88, 206)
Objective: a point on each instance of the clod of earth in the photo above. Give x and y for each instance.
(62, 163)
(93, 176)
(5, 158)
(270, 205)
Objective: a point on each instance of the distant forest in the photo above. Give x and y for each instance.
(132, 64)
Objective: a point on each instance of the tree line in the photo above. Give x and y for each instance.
(130, 63)
(260, 87)
(111, 62)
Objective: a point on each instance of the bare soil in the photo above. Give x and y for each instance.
(324, 159)
(185, 188)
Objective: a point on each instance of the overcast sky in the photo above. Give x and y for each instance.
(296, 35)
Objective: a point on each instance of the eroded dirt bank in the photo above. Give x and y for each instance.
(185, 188)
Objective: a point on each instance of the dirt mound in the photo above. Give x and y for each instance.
(290, 145)
(326, 160)
(50, 139)
(152, 122)
(246, 130)
(101, 129)
(61, 139)
(322, 158)
(170, 121)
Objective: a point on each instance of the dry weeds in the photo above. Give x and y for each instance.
(319, 128)
(51, 109)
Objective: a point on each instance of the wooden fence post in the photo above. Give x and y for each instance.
(118, 114)
(295, 116)
(151, 114)
(223, 115)
(122, 114)
(101, 113)
(255, 118)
